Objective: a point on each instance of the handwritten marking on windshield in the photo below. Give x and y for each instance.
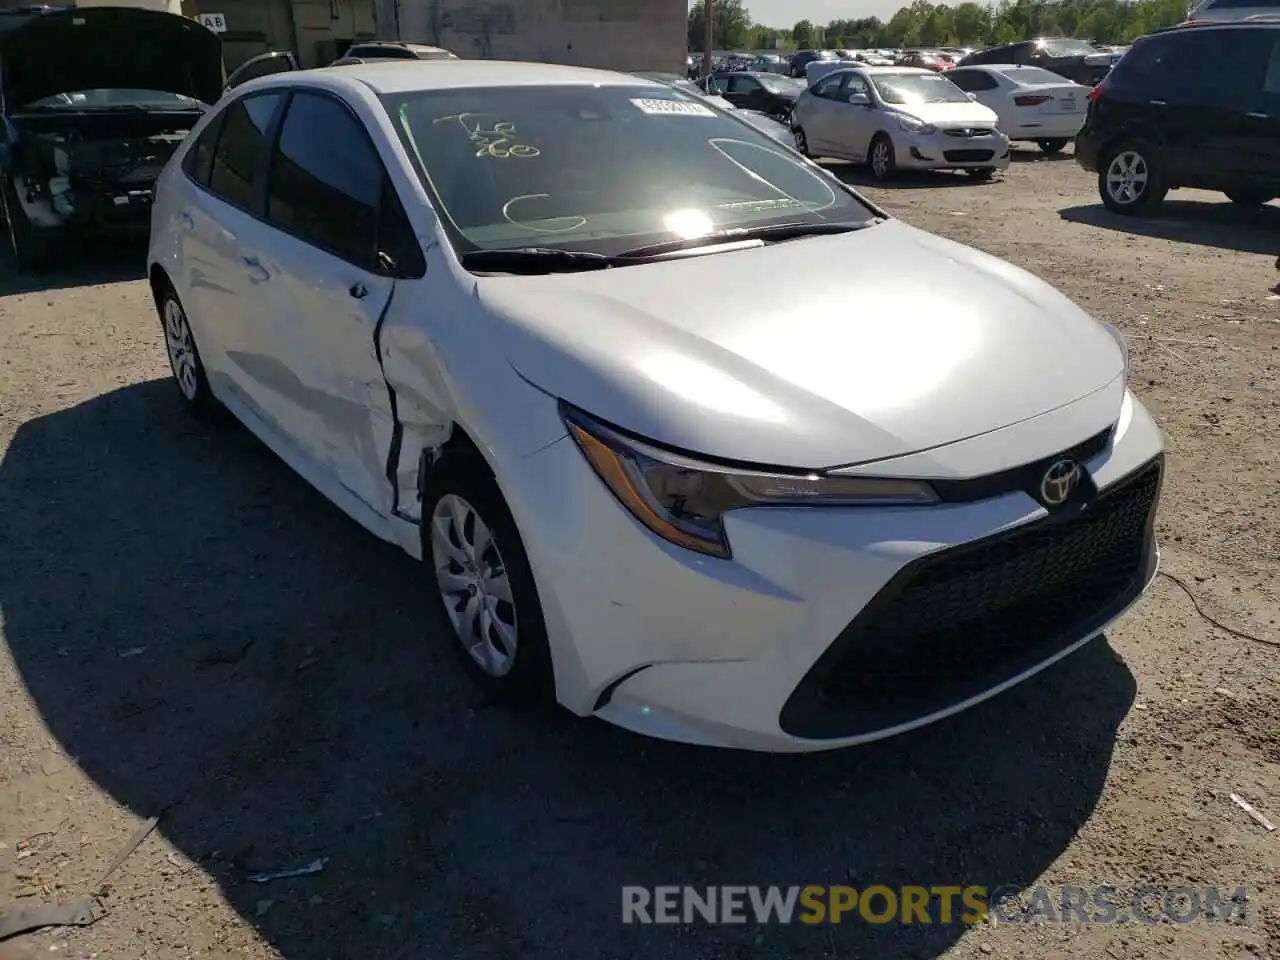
(547, 225)
(496, 142)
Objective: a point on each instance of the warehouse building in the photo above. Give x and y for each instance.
(618, 34)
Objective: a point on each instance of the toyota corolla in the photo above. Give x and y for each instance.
(525, 321)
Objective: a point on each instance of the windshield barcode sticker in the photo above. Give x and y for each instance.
(674, 108)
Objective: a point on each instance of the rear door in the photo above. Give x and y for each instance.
(984, 88)
(1259, 52)
(818, 116)
(217, 223)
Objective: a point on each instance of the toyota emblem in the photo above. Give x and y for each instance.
(1059, 482)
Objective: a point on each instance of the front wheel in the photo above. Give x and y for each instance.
(1053, 146)
(802, 141)
(32, 247)
(883, 162)
(1130, 178)
(488, 600)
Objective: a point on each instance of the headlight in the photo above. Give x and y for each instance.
(683, 500)
(912, 125)
(1118, 335)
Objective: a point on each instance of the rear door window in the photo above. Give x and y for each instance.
(198, 163)
(971, 81)
(237, 159)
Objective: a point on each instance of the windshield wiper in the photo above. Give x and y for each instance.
(771, 234)
(535, 260)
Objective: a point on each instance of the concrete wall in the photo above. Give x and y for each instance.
(617, 34)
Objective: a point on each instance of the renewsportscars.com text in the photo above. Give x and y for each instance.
(879, 904)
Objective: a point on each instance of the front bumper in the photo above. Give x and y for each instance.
(769, 650)
(941, 151)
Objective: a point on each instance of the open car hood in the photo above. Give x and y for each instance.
(92, 48)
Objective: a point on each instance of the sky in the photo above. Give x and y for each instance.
(783, 13)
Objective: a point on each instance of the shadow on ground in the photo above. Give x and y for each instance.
(292, 704)
(1029, 153)
(1226, 225)
(857, 175)
(83, 266)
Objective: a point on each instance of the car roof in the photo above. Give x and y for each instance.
(402, 76)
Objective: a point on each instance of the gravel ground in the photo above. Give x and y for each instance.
(191, 632)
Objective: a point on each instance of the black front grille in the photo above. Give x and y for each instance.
(968, 156)
(954, 624)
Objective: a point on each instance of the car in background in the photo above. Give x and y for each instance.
(769, 93)
(87, 128)
(1153, 125)
(391, 50)
(1032, 103)
(525, 322)
(1077, 60)
(1222, 10)
(926, 60)
(761, 121)
(802, 58)
(895, 118)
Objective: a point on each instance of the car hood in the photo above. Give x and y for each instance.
(89, 48)
(968, 112)
(812, 353)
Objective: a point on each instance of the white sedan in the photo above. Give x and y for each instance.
(525, 321)
(1032, 103)
(894, 118)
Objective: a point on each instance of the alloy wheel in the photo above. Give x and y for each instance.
(1127, 177)
(182, 349)
(474, 584)
(880, 159)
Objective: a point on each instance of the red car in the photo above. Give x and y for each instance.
(936, 62)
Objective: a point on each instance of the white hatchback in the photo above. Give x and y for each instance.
(688, 435)
(896, 118)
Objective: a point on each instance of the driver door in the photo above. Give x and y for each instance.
(819, 118)
(745, 92)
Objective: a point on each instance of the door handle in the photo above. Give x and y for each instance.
(188, 222)
(257, 272)
(358, 290)
(1158, 103)
(1257, 116)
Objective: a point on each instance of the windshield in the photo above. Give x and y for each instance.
(1068, 48)
(602, 169)
(912, 88)
(109, 98)
(776, 84)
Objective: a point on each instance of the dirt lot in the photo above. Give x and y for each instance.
(190, 632)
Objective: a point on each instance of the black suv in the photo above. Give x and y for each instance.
(1191, 106)
(1077, 60)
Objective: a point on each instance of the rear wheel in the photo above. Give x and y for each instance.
(881, 156)
(1130, 178)
(1249, 198)
(184, 356)
(1055, 145)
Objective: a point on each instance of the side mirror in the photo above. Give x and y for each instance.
(860, 99)
(971, 96)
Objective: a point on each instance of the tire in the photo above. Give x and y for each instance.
(1249, 198)
(488, 605)
(981, 174)
(881, 159)
(802, 142)
(1054, 146)
(1145, 188)
(184, 356)
(32, 247)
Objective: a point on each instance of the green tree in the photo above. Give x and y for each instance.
(802, 34)
(730, 26)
